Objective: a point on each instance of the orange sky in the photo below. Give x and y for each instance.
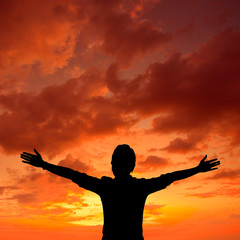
(80, 77)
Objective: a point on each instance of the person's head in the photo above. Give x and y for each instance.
(123, 161)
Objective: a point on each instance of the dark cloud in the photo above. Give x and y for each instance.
(75, 164)
(59, 116)
(4, 189)
(24, 198)
(47, 33)
(48, 40)
(192, 95)
(123, 36)
(179, 145)
(154, 162)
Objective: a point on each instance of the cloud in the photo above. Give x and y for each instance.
(40, 193)
(203, 195)
(193, 188)
(24, 198)
(153, 209)
(226, 174)
(36, 186)
(237, 216)
(198, 93)
(179, 145)
(126, 39)
(59, 36)
(75, 164)
(154, 162)
(221, 192)
(49, 40)
(123, 36)
(4, 189)
(59, 116)
(193, 96)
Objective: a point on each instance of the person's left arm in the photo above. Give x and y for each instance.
(203, 166)
(161, 182)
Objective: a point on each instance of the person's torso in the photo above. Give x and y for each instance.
(123, 204)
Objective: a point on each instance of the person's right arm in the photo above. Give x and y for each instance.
(37, 161)
(83, 180)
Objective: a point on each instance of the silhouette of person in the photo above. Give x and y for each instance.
(123, 198)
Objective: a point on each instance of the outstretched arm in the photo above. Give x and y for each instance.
(37, 161)
(161, 182)
(83, 180)
(204, 166)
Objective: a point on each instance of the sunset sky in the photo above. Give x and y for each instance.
(79, 77)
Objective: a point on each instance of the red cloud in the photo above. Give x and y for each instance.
(38, 186)
(179, 145)
(45, 32)
(124, 37)
(153, 209)
(7, 188)
(226, 174)
(59, 116)
(229, 192)
(237, 216)
(75, 164)
(47, 42)
(192, 95)
(24, 198)
(154, 162)
(196, 94)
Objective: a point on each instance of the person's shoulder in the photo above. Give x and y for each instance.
(139, 180)
(106, 179)
(149, 180)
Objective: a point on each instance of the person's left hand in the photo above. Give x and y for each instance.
(209, 165)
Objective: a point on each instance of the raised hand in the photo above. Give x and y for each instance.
(209, 165)
(33, 159)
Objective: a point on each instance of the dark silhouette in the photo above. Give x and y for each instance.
(123, 198)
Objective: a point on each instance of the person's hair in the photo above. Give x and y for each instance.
(124, 155)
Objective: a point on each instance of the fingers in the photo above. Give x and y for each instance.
(25, 157)
(25, 161)
(213, 169)
(215, 163)
(29, 154)
(204, 158)
(36, 152)
(212, 160)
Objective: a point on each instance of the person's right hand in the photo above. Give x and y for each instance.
(32, 159)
